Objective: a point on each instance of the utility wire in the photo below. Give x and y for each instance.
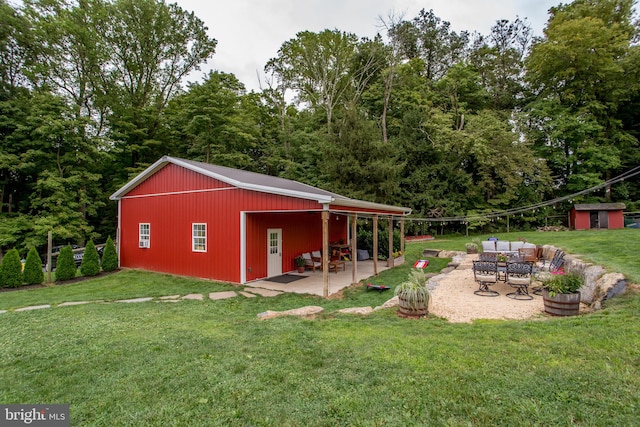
(497, 214)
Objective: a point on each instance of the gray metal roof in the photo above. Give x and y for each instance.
(599, 206)
(256, 182)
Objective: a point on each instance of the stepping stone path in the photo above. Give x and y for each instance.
(222, 295)
(214, 296)
(33, 307)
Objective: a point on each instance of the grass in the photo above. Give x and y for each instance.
(213, 363)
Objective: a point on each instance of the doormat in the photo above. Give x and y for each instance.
(285, 278)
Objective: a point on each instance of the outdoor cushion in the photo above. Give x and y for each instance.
(517, 245)
(488, 246)
(502, 246)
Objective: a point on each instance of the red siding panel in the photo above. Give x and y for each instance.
(171, 215)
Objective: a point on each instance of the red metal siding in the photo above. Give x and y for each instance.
(173, 178)
(171, 216)
(616, 219)
(583, 220)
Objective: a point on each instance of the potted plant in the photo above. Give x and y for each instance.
(560, 293)
(300, 263)
(413, 295)
(472, 248)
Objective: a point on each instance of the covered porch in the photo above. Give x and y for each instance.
(313, 283)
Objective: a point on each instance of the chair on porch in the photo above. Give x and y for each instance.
(309, 262)
(316, 256)
(485, 273)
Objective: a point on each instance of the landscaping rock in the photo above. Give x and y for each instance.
(133, 300)
(447, 270)
(247, 294)
(306, 312)
(357, 310)
(72, 303)
(432, 253)
(591, 276)
(393, 302)
(608, 286)
(263, 292)
(33, 307)
(222, 295)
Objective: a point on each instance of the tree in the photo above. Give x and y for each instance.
(153, 46)
(318, 67)
(578, 77)
(65, 266)
(90, 260)
(11, 270)
(33, 274)
(109, 256)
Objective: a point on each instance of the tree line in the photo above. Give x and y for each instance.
(447, 123)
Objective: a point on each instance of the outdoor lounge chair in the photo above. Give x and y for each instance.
(518, 276)
(486, 274)
(309, 262)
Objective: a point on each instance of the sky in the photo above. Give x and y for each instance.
(250, 32)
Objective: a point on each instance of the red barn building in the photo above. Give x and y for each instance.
(196, 219)
(596, 215)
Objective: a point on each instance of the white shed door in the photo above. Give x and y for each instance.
(274, 252)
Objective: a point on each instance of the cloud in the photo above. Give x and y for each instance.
(250, 32)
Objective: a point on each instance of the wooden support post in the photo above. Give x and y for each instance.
(375, 245)
(325, 253)
(507, 223)
(390, 259)
(354, 249)
(402, 235)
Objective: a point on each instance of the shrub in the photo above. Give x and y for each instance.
(109, 256)
(90, 261)
(33, 274)
(563, 283)
(11, 270)
(66, 265)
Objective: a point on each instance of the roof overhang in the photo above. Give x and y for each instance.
(329, 201)
(164, 161)
(599, 206)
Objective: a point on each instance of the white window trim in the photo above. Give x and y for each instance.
(194, 237)
(144, 237)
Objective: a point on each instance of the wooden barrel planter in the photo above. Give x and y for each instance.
(562, 304)
(405, 309)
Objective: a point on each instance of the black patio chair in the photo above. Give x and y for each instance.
(486, 274)
(519, 276)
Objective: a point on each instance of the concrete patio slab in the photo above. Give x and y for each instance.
(247, 294)
(197, 297)
(170, 297)
(313, 282)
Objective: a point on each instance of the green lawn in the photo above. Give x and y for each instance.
(213, 363)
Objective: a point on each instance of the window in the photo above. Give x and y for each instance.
(199, 236)
(145, 235)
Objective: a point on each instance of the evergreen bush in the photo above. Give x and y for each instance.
(11, 270)
(109, 256)
(33, 274)
(90, 261)
(66, 265)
